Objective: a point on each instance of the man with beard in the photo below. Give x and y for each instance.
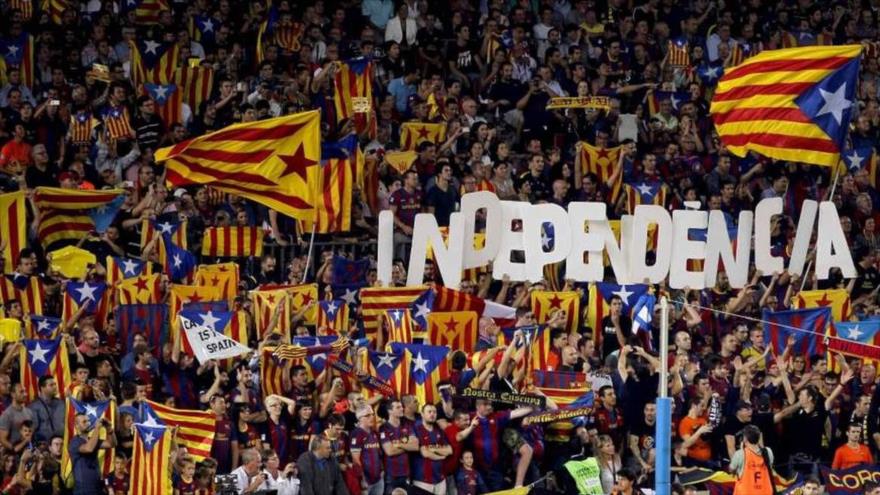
(641, 439)
(434, 448)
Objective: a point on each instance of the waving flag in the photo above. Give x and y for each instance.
(351, 274)
(94, 411)
(354, 92)
(195, 85)
(421, 308)
(164, 225)
(143, 289)
(272, 162)
(399, 324)
(153, 62)
(677, 53)
(150, 460)
(271, 373)
(19, 52)
(120, 268)
(349, 295)
(71, 262)
(807, 326)
(43, 358)
(223, 276)
(793, 104)
(836, 299)
(92, 296)
(858, 338)
(169, 102)
(179, 263)
(43, 327)
(232, 242)
(862, 158)
(13, 229)
(602, 162)
(376, 300)
(456, 329)
(600, 303)
(80, 127)
(66, 214)
(414, 133)
(148, 319)
(652, 192)
(196, 431)
(710, 73)
(29, 291)
(427, 367)
(333, 314)
(315, 360)
(567, 389)
(545, 301)
(643, 316)
(333, 189)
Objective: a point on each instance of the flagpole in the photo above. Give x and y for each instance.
(834, 184)
(309, 256)
(662, 427)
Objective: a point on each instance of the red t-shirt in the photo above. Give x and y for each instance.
(450, 464)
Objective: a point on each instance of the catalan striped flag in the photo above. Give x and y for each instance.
(29, 291)
(264, 304)
(414, 133)
(376, 300)
(678, 54)
(251, 160)
(143, 289)
(334, 314)
(857, 338)
(779, 325)
(232, 242)
(271, 373)
(79, 130)
(151, 460)
(399, 325)
(863, 158)
(94, 411)
(196, 431)
(94, 297)
(179, 263)
(203, 27)
(455, 329)
(836, 299)
(145, 11)
(43, 358)
(427, 367)
(185, 294)
(652, 192)
(222, 275)
(353, 81)
(335, 185)
(66, 215)
(602, 162)
(117, 122)
(384, 365)
(149, 319)
(740, 52)
(19, 52)
(196, 85)
(164, 225)
(56, 9)
(793, 104)
(564, 387)
(153, 61)
(13, 229)
(169, 102)
(120, 268)
(543, 302)
(675, 98)
(43, 327)
(599, 303)
(26, 7)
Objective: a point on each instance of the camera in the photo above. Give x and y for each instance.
(226, 484)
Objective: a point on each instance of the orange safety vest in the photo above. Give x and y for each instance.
(755, 479)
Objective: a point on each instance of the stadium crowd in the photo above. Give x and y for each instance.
(485, 71)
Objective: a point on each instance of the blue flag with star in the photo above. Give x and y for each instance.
(710, 73)
(829, 103)
(179, 262)
(41, 354)
(104, 215)
(422, 307)
(385, 363)
(44, 327)
(350, 295)
(92, 410)
(160, 92)
(149, 435)
(643, 313)
(215, 320)
(88, 294)
(859, 331)
(129, 267)
(629, 294)
(858, 158)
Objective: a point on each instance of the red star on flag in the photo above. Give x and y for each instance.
(824, 301)
(556, 302)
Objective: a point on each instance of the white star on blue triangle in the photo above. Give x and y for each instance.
(829, 103)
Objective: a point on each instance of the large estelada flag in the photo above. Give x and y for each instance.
(353, 80)
(195, 85)
(143, 289)
(92, 298)
(169, 102)
(836, 299)
(340, 162)
(599, 303)
(455, 329)
(806, 326)
(793, 104)
(67, 215)
(27, 290)
(164, 225)
(94, 411)
(427, 367)
(196, 431)
(13, 229)
(150, 460)
(153, 61)
(333, 314)
(224, 276)
(120, 268)
(602, 162)
(44, 358)
(273, 162)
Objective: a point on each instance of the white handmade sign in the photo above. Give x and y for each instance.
(208, 343)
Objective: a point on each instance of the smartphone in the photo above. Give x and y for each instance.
(54, 103)
(241, 86)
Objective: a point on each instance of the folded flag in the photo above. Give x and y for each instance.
(67, 215)
(164, 225)
(196, 428)
(71, 261)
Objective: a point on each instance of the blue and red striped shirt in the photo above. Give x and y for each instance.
(278, 436)
(396, 466)
(367, 443)
(300, 435)
(221, 447)
(485, 440)
(428, 470)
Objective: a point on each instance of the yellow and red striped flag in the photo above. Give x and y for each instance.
(224, 276)
(413, 133)
(117, 123)
(169, 102)
(56, 9)
(645, 193)
(544, 302)
(95, 411)
(13, 229)
(26, 7)
(837, 299)
(399, 325)
(43, 358)
(195, 85)
(456, 329)
(678, 55)
(120, 268)
(153, 61)
(792, 104)
(196, 428)
(271, 372)
(272, 162)
(93, 297)
(151, 460)
(353, 86)
(335, 185)
(232, 242)
(80, 127)
(268, 297)
(602, 162)
(143, 289)
(29, 291)
(66, 214)
(333, 314)
(376, 300)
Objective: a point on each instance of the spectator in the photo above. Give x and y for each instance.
(83, 450)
